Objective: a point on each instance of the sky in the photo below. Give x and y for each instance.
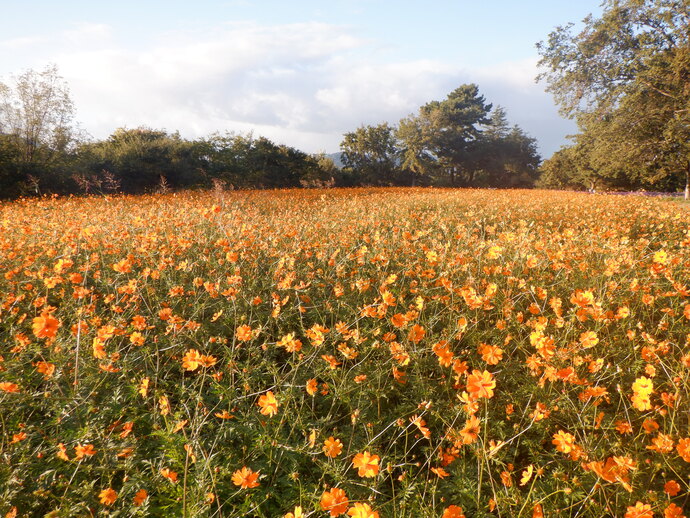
(299, 72)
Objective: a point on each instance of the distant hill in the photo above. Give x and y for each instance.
(336, 159)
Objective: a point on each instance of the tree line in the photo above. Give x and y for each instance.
(624, 78)
(458, 141)
(43, 151)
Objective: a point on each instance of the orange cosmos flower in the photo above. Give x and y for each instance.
(673, 511)
(137, 338)
(643, 386)
(331, 360)
(416, 333)
(362, 510)
(290, 343)
(398, 320)
(623, 427)
(208, 361)
(312, 387)
(332, 447)
(683, 449)
(421, 424)
(243, 333)
(18, 437)
(366, 464)
(123, 266)
(526, 475)
(139, 322)
(62, 452)
(297, 513)
(582, 298)
(107, 496)
(662, 443)
(564, 441)
(445, 355)
(245, 478)
(169, 474)
(491, 354)
(453, 511)
(639, 510)
(45, 368)
(588, 339)
(672, 488)
(642, 389)
(140, 497)
(164, 405)
(7, 386)
(481, 384)
(45, 326)
(144, 387)
(440, 472)
(83, 451)
(334, 501)
(268, 404)
(191, 361)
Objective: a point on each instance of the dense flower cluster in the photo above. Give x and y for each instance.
(363, 353)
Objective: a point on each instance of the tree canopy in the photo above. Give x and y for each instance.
(625, 79)
(36, 126)
(459, 141)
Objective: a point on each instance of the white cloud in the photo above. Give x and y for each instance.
(301, 84)
(16, 44)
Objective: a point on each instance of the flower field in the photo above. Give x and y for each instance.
(365, 353)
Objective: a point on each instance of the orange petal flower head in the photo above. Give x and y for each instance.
(268, 404)
(366, 464)
(245, 478)
(334, 501)
(481, 384)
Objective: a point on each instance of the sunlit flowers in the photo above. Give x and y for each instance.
(304, 332)
(334, 501)
(192, 360)
(244, 333)
(362, 510)
(290, 343)
(367, 465)
(107, 496)
(683, 448)
(268, 404)
(481, 384)
(140, 497)
(8, 386)
(564, 441)
(642, 389)
(332, 447)
(245, 478)
(639, 510)
(85, 450)
(45, 325)
(297, 513)
(453, 511)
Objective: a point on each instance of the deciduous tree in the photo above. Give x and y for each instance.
(625, 78)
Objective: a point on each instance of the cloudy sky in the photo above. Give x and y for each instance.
(300, 72)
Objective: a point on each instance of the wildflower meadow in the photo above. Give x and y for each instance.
(363, 352)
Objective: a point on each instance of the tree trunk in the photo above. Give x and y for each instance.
(687, 182)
